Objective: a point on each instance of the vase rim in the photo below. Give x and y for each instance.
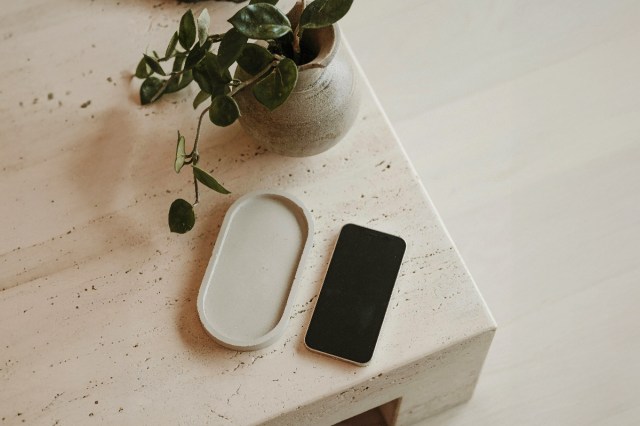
(329, 41)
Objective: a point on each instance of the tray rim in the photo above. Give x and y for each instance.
(276, 332)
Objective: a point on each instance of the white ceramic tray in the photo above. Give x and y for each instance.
(250, 284)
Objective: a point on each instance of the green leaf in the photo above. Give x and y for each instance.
(254, 58)
(179, 82)
(143, 70)
(181, 216)
(150, 87)
(208, 180)
(200, 98)
(154, 64)
(220, 90)
(180, 154)
(261, 21)
(171, 48)
(178, 62)
(202, 79)
(203, 26)
(195, 56)
(276, 87)
(224, 110)
(210, 76)
(272, 2)
(322, 13)
(231, 47)
(283, 45)
(187, 30)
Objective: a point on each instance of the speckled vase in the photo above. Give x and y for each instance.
(321, 109)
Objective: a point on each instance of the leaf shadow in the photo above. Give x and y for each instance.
(102, 176)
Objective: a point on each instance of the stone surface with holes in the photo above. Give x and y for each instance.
(98, 316)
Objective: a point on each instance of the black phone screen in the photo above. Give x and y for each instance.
(355, 294)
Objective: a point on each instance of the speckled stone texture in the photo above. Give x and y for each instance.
(98, 319)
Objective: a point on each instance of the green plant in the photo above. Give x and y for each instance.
(273, 73)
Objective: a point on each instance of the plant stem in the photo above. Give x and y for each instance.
(195, 184)
(216, 37)
(296, 44)
(166, 84)
(194, 151)
(194, 156)
(177, 73)
(255, 78)
(162, 89)
(297, 33)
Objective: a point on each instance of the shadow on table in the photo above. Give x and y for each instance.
(102, 174)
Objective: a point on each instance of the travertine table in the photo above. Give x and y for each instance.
(97, 299)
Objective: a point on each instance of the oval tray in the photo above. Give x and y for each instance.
(250, 284)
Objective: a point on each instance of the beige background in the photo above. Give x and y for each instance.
(523, 120)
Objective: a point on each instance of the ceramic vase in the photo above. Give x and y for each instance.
(320, 110)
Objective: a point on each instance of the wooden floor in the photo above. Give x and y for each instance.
(523, 120)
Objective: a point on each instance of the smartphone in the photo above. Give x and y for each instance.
(355, 294)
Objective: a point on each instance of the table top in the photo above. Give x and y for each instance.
(98, 300)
